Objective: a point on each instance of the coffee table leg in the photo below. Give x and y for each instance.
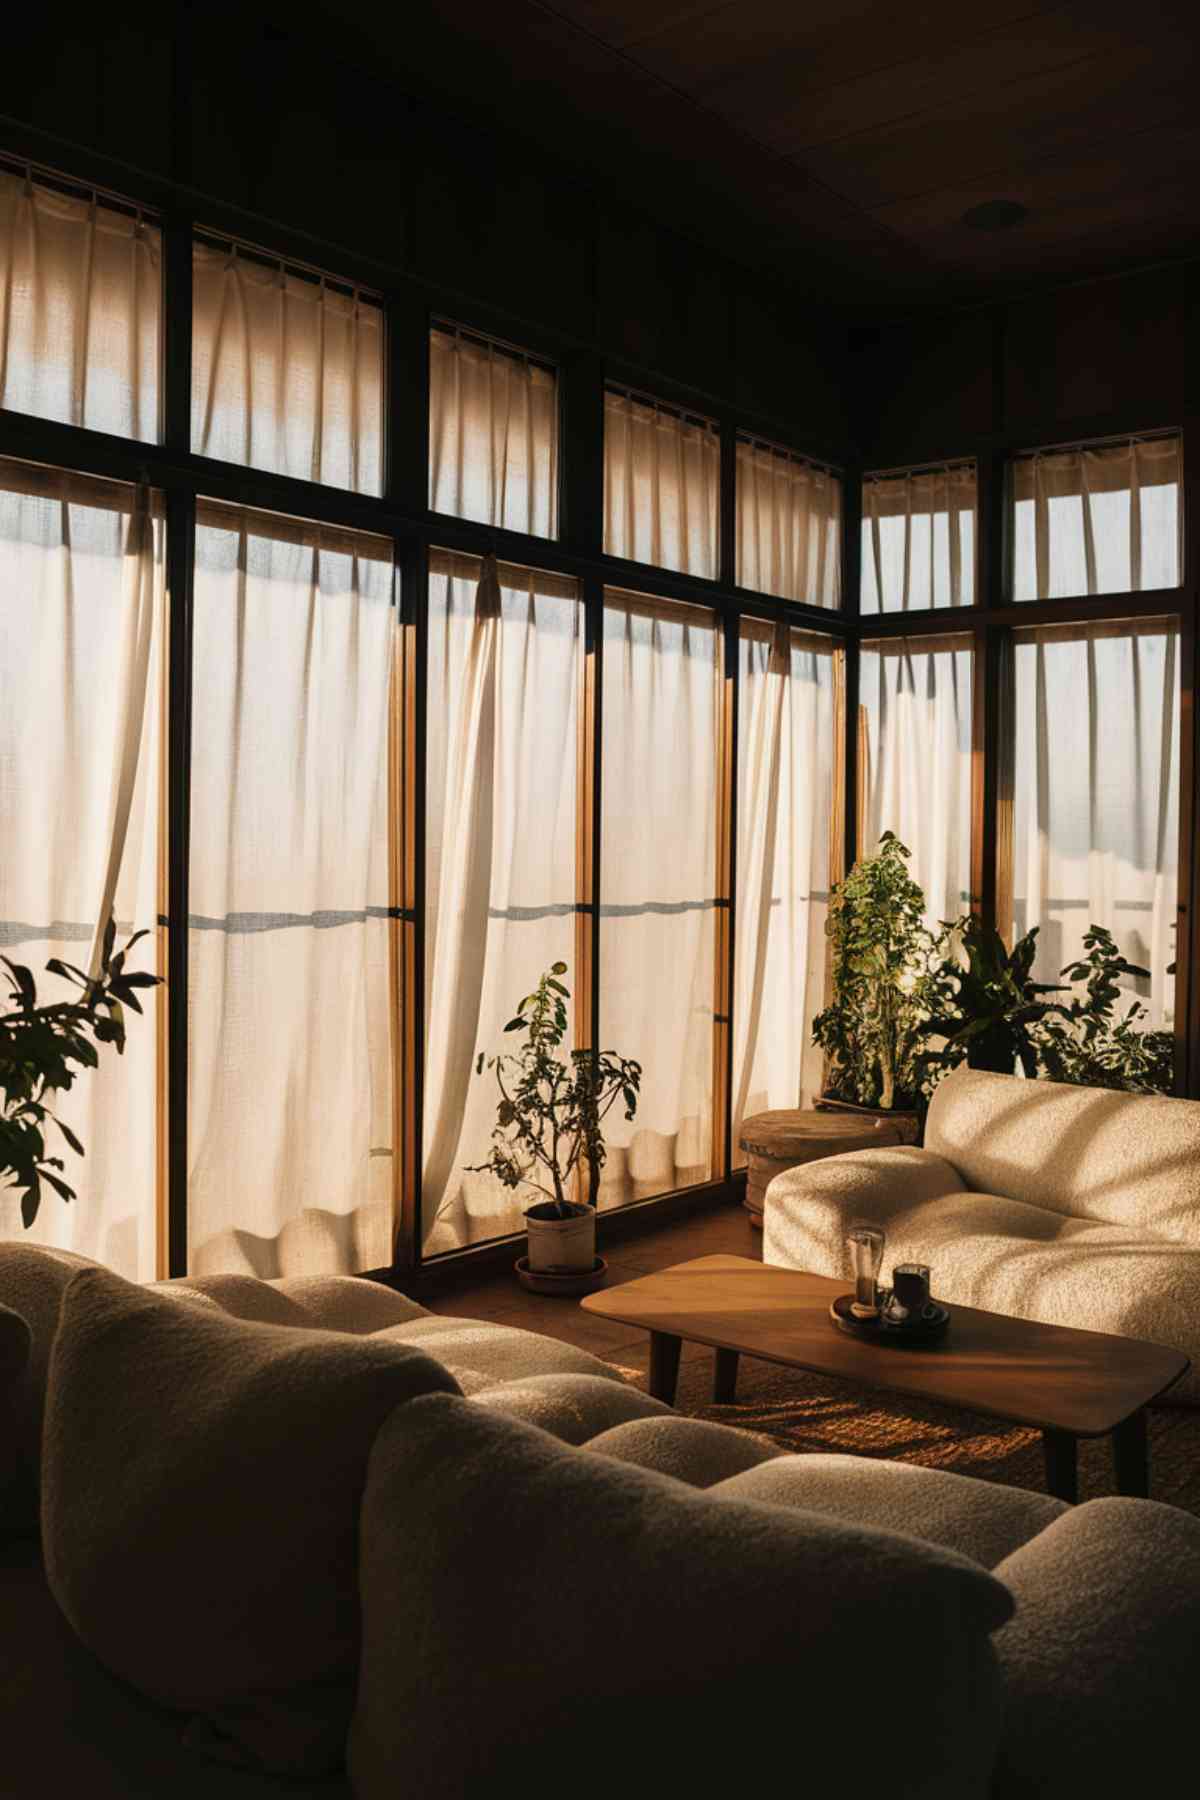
(725, 1368)
(1062, 1475)
(1131, 1460)
(664, 1365)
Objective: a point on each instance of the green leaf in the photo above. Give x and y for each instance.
(70, 1137)
(558, 968)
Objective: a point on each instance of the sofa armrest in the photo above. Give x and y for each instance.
(1102, 1659)
(809, 1210)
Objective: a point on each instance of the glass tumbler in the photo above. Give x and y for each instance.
(865, 1244)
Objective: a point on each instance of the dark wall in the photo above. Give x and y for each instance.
(1113, 354)
(272, 123)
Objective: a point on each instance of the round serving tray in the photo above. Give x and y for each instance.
(878, 1331)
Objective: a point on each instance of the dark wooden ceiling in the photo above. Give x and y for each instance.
(842, 142)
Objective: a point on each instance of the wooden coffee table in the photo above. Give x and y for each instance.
(1068, 1384)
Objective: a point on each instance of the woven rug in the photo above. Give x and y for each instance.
(802, 1412)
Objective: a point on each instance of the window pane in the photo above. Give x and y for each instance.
(662, 480)
(80, 299)
(1096, 795)
(918, 539)
(289, 1065)
(789, 526)
(661, 673)
(504, 671)
(786, 740)
(287, 372)
(493, 435)
(915, 761)
(1104, 519)
(81, 647)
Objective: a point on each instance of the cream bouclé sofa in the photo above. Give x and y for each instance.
(544, 1577)
(1070, 1205)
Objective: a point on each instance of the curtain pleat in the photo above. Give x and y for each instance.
(1099, 519)
(915, 701)
(785, 795)
(1096, 794)
(82, 604)
(662, 475)
(789, 526)
(657, 944)
(493, 435)
(289, 1068)
(287, 372)
(79, 310)
(505, 646)
(918, 539)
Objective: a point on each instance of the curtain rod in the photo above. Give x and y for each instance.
(662, 406)
(1156, 435)
(76, 190)
(923, 468)
(489, 341)
(270, 259)
(797, 456)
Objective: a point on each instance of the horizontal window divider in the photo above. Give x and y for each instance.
(1079, 610)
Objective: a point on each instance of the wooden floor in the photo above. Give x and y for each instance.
(503, 1301)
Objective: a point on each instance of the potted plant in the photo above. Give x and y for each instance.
(888, 978)
(41, 1049)
(994, 1005)
(1087, 1041)
(548, 1133)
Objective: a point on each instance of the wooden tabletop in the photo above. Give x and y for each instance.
(787, 1130)
(1049, 1376)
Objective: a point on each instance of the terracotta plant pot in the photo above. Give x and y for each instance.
(559, 1245)
(906, 1123)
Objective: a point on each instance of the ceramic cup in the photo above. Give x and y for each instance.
(909, 1302)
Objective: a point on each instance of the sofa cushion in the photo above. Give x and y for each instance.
(202, 1480)
(15, 1341)
(502, 1352)
(536, 1615)
(32, 1283)
(331, 1302)
(979, 1519)
(1006, 1256)
(573, 1408)
(1102, 1658)
(692, 1450)
(72, 1731)
(1121, 1159)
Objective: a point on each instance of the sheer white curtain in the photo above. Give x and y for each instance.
(1101, 519)
(81, 664)
(80, 302)
(662, 481)
(1096, 794)
(789, 525)
(287, 372)
(290, 1137)
(786, 742)
(915, 761)
(661, 681)
(505, 649)
(918, 539)
(493, 435)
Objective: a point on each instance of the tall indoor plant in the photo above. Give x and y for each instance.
(42, 1048)
(888, 977)
(548, 1133)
